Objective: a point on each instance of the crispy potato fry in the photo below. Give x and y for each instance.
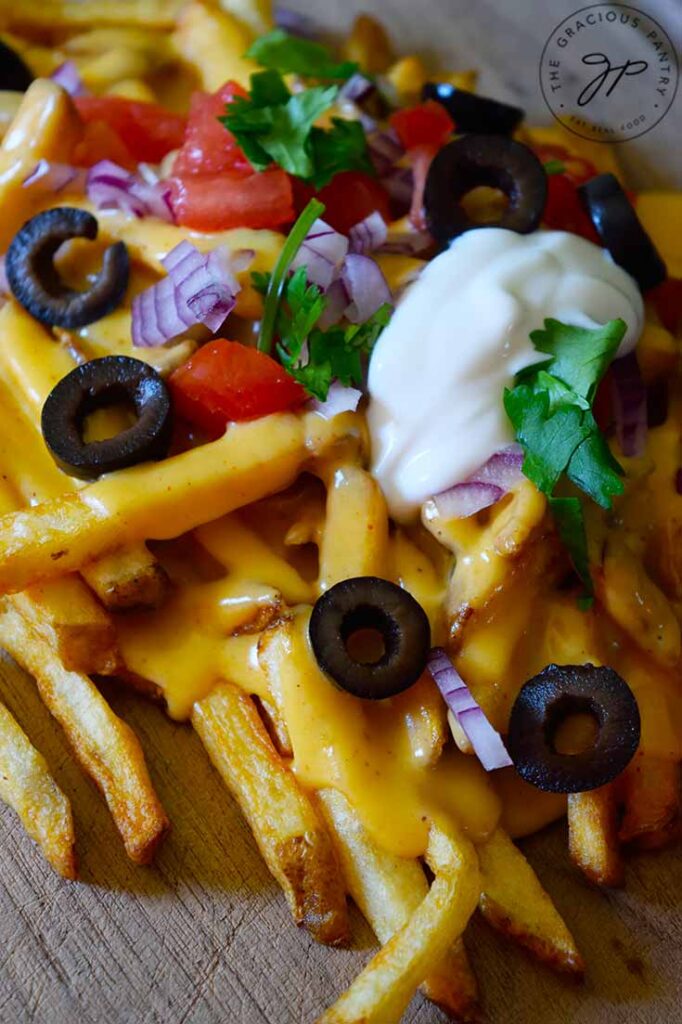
(68, 618)
(213, 42)
(651, 793)
(383, 989)
(28, 788)
(291, 836)
(388, 890)
(9, 105)
(127, 580)
(106, 747)
(54, 15)
(368, 45)
(154, 500)
(514, 902)
(411, 568)
(355, 531)
(257, 14)
(276, 726)
(593, 835)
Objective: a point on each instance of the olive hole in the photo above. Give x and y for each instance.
(572, 725)
(485, 205)
(113, 413)
(368, 635)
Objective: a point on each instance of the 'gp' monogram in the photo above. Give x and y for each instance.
(593, 88)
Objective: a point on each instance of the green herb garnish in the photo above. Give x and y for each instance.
(289, 54)
(554, 167)
(550, 408)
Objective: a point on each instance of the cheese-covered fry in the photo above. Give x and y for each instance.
(213, 42)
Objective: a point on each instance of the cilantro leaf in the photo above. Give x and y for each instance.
(260, 281)
(570, 523)
(549, 439)
(554, 167)
(580, 356)
(594, 470)
(342, 148)
(291, 55)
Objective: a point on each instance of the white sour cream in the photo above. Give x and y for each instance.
(457, 338)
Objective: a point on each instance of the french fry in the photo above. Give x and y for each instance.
(256, 14)
(368, 45)
(355, 533)
(383, 989)
(28, 788)
(514, 902)
(154, 500)
(651, 794)
(213, 42)
(593, 835)
(54, 15)
(291, 836)
(127, 580)
(105, 746)
(388, 890)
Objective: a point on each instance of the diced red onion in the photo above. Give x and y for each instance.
(484, 488)
(48, 177)
(629, 405)
(4, 283)
(366, 286)
(339, 399)
(111, 187)
(486, 741)
(337, 301)
(385, 150)
(368, 234)
(200, 288)
(68, 76)
(322, 252)
(358, 87)
(294, 23)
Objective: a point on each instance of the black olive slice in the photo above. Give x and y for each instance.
(492, 160)
(14, 75)
(371, 606)
(621, 230)
(472, 113)
(36, 284)
(101, 383)
(552, 696)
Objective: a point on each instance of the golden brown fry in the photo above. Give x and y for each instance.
(292, 838)
(593, 835)
(53, 15)
(651, 793)
(154, 500)
(388, 890)
(129, 579)
(514, 902)
(355, 532)
(256, 14)
(383, 989)
(68, 618)
(28, 788)
(368, 45)
(213, 42)
(105, 746)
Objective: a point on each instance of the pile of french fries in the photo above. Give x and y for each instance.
(76, 561)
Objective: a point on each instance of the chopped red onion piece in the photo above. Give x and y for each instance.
(504, 468)
(366, 286)
(629, 405)
(339, 399)
(200, 288)
(294, 23)
(4, 283)
(48, 177)
(322, 252)
(111, 187)
(385, 150)
(68, 76)
(486, 741)
(356, 88)
(484, 488)
(368, 234)
(337, 300)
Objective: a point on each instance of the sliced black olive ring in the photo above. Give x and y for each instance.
(621, 230)
(472, 113)
(491, 160)
(375, 606)
(36, 284)
(102, 383)
(551, 697)
(14, 74)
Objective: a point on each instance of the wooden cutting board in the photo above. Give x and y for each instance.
(204, 935)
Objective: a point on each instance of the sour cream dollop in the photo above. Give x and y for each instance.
(458, 337)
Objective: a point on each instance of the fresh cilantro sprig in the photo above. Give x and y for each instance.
(289, 54)
(554, 167)
(550, 408)
(315, 357)
(274, 124)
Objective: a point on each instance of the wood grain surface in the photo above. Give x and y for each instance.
(204, 936)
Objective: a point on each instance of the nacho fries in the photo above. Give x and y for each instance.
(196, 575)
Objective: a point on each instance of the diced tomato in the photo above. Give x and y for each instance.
(226, 381)
(350, 197)
(209, 147)
(100, 142)
(427, 124)
(667, 298)
(233, 199)
(148, 130)
(564, 211)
